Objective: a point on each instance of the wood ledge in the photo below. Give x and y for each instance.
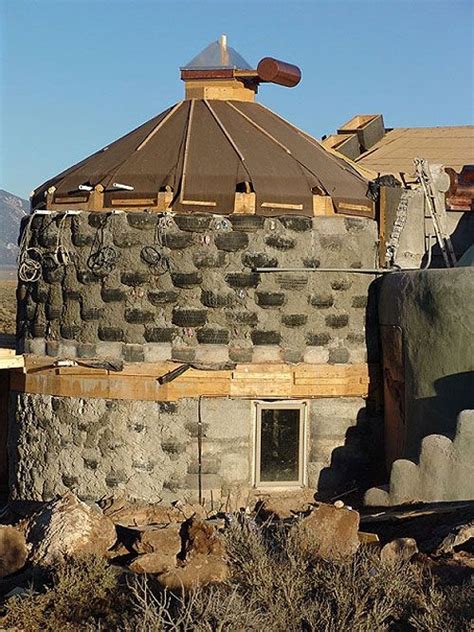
(140, 381)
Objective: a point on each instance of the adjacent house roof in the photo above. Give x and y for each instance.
(204, 151)
(395, 152)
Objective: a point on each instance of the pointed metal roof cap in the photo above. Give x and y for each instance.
(218, 55)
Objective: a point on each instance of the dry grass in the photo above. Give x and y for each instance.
(275, 584)
(7, 306)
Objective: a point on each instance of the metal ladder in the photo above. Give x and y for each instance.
(436, 211)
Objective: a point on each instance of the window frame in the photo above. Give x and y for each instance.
(259, 406)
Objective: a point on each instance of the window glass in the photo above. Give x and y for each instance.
(279, 444)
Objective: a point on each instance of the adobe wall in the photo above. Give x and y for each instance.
(149, 450)
(433, 310)
(445, 470)
(202, 302)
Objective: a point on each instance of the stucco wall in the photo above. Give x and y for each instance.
(209, 306)
(434, 311)
(445, 470)
(149, 450)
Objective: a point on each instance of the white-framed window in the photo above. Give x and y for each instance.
(280, 444)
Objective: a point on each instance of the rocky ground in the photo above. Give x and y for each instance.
(292, 564)
(7, 306)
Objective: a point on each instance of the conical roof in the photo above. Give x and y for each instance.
(204, 151)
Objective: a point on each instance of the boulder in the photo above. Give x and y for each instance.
(399, 550)
(282, 506)
(200, 571)
(204, 558)
(68, 527)
(161, 540)
(13, 550)
(330, 533)
(153, 563)
(129, 513)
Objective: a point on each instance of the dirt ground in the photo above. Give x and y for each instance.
(7, 306)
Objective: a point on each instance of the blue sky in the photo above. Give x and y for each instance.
(77, 74)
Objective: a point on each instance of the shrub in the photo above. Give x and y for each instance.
(82, 592)
(276, 583)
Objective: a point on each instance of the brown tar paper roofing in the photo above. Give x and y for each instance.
(206, 150)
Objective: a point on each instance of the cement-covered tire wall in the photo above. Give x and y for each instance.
(426, 320)
(149, 450)
(143, 287)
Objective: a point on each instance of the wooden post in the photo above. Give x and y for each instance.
(244, 203)
(50, 197)
(164, 200)
(322, 205)
(96, 199)
(4, 396)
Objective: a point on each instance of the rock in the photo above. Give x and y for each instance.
(153, 563)
(119, 550)
(331, 533)
(152, 539)
(460, 534)
(69, 527)
(204, 559)
(135, 513)
(202, 539)
(282, 506)
(13, 550)
(202, 570)
(18, 591)
(399, 550)
(189, 510)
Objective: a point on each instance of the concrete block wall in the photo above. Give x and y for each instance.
(195, 296)
(149, 450)
(445, 470)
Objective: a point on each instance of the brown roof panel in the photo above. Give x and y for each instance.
(205, 150)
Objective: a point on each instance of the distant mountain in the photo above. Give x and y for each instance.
(12, 209)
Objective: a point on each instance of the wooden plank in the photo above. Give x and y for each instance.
(277, 367)
(261, 389)
(367, 538)
(11, 361)
(133, 201)
(308, 381)
(4, 396)
(264, 377)
(330, 390)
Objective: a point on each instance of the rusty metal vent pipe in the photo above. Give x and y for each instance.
(277, 71)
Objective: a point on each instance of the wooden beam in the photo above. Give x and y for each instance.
(140, 381)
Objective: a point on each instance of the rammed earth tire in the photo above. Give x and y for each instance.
(189, 317)
(231, 242)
